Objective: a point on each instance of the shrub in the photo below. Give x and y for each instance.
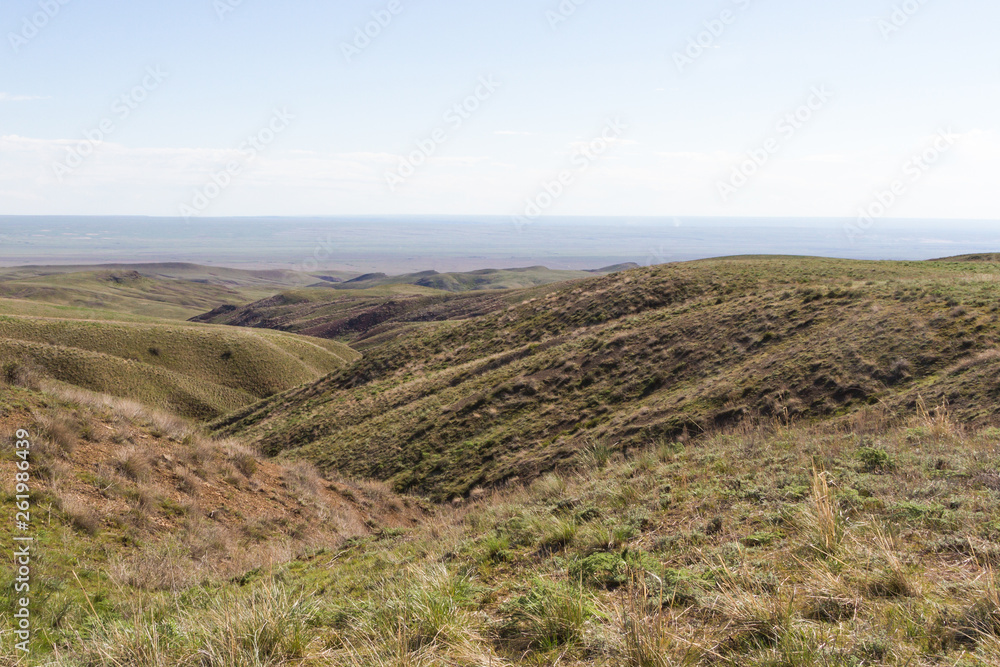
(874, 460)
(496, 548)
(760, 538)
(602, 570)
(597, 454)
(557, 534)
(830, 609)
(24, 374)
(61, 433)
(978, 621)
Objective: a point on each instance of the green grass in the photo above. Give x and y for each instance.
(195, 370)
(654, 354)
(128, 291)
(748, 462)
(130, 504)
(724, 563)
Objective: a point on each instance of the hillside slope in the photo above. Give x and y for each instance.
(361, 318)
(483, 279)
(132, 502)
(173, 291)
(369, 310)
(644, 356)
(196, 370)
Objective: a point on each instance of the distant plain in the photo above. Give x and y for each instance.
(408, 244)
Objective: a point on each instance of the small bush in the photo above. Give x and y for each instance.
(597, 455)
(874, 460)
(830, 609)
(980, 620)
(601, 570)
(557, 534)
(496, 548)
(548, 487)
(61, 431)
(760, 538)
(187, 481)
(24, 374)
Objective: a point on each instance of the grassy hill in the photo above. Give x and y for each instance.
(172, 291)
(641, 357)
(756, 546)
(128, 502)
(195, 370)
(372, 309)
(484, 279)
(360, 318)
(743, 462)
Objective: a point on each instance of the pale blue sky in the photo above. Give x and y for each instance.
(558, 86)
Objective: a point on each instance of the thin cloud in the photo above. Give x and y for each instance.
(7, 97)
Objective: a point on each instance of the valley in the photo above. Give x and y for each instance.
(737, 461)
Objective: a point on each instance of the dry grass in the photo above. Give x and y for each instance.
(479, 583)
(243, 458)
(824, 514)
(80, 514)
(303, 480)
(132, 463)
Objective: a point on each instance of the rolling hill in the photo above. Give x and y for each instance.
(639, 357)
(743, 462)
(372, 309)
(484, 279)
(360, 318)
(195, 370)
(172, 291)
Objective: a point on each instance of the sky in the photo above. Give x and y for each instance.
(526, 108)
